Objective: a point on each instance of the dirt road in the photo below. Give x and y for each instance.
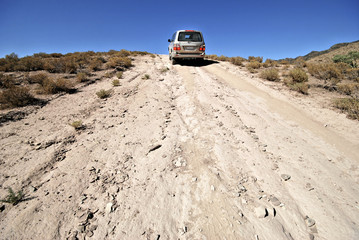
(193, 152)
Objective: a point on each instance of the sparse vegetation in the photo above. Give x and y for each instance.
(116, 83)
(104, 93)
(348, 105)
(146, 76)
(165, 69)
(297, 81)
(271, 74)
(324, 71)
(77, 125)
(119, 74)
(119, 63)
(50, 86)
(251, 66)
(351, 59)
(12, 197)
(82, 77)
(16, 97)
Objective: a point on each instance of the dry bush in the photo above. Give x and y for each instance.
(253, 65)
(237, 61)
(271, 74)
(146, 76)
(96, 64)
(38, 78)
(222, 58)
(324, 71)
(16, 97)
(6, 81)
(284, 62)
(13, 198)
(255, 59)
(298, 75)
(352, 74)
(299, 87)
(348, 88)
(270, 63)
(82, 77)
(348, 105)
(50, 86)
(29, 63)
(119, 63)
(104, 93)
(119, 75)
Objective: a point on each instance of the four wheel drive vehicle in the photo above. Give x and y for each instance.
(186, 44)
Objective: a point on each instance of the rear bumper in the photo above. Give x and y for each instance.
(179, 55)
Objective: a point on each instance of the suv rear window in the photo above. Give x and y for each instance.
(190, 37)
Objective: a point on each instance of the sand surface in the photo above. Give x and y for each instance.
(194, 152)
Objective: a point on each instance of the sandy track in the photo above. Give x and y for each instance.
(196, 152)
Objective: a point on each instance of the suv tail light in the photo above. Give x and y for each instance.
(176, 47)
(202, 48)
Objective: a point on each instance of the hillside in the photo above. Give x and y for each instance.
(327, 55)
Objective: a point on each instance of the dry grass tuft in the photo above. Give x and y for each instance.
(104, 93)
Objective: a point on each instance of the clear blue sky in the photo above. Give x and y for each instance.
(269, 28)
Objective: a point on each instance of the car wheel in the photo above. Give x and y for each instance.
(173, 61)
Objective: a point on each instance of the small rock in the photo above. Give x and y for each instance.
(311, 236)
(244, 201)
(194, 179)
(261, 212)
(2, 208)
(109, 207)
(89, 234)
(285, 177)
(274, 201)
(275, 166)
(212, 188)
(272, 212)
(310, 222)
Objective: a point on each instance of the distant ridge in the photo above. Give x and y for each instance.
(327, 55)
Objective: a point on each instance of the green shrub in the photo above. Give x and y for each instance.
(16, 97)
(103, 93)
(116, 83)
(271, 74)
(298, 75)
(350, 58)
(13, 198)
(77, 125)
(348, 105)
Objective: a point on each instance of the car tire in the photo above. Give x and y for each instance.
(174, 61)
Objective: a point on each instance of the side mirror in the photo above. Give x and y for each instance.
(169, 40)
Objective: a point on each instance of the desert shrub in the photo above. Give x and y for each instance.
(284, 62)
(29, 63)
(237, 61)
(96, 64)
(350, 58)
(77, 125)
(348, 105)
(50, 86)
(109, 74)
(61, 65)
(13, 198)
(348, 88)
(82, 77)
(352, 74)
(222, 58)
(269, 63)
(9, 63)
(103, 93)
(255, 59)
(119, 74)
(253, 65)
(146, 76)
(301, 87)
(300, 63)
(119, 62)
(298, 75)
(116, 83)
(271, 74)
(16, 97)
(324, 71)
(6, 81)
(38, 78)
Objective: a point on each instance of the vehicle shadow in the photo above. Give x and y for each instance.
(196, 63)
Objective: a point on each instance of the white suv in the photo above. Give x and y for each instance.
(186, 44)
